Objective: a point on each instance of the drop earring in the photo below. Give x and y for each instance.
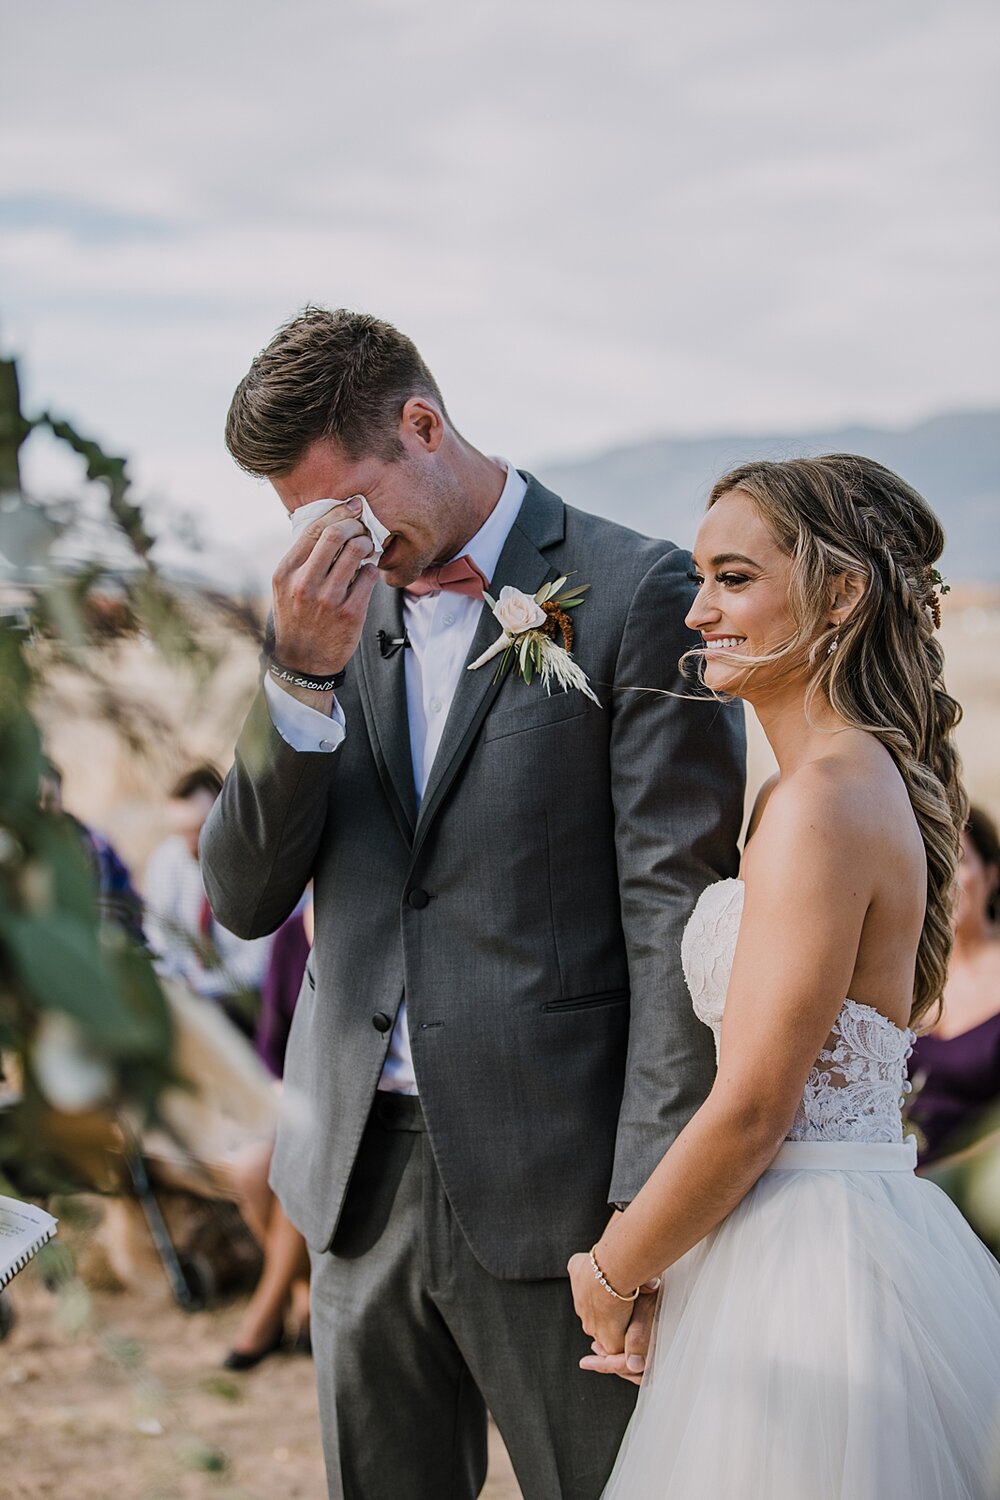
(833, 645)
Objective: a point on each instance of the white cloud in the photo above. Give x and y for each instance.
(597, 222)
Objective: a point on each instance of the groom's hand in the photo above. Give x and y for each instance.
(321, 593)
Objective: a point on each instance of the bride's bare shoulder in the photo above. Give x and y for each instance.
(848, 806)
(760, 803)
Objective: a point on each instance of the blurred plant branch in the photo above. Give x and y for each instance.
(79, 999)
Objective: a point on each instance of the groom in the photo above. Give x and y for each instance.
(493, 1042)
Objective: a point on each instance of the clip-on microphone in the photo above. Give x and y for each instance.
(389, 645)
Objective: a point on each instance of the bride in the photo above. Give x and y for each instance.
(828, 1326)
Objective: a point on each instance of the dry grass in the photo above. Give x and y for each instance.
(135, 1406)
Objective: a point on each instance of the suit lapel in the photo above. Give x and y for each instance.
(382, 685)
(540, 523)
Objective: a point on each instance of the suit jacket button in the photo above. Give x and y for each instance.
(418, 899)
(381, 1021)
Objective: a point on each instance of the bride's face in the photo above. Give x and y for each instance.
(742, 604)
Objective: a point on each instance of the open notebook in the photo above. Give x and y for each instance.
(24, 1229)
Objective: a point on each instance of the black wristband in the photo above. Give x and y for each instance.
(311, 681)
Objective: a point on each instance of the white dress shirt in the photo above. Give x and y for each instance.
(174, 898)
(441, 628)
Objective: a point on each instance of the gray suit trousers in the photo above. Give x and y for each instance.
(414, 1340)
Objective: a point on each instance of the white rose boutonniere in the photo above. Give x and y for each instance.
(518, 612)
(529, 625)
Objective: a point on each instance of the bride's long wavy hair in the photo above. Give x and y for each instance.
(846, 514)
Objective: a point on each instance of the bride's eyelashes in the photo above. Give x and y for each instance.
(728, 580)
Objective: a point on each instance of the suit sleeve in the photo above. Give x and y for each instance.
(678, 778)
(259, 843)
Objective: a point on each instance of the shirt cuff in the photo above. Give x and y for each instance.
(302, 727)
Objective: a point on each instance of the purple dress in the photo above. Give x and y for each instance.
(280, 991)
(957, 1079)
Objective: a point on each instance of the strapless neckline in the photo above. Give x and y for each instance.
(857, 1085)
(872, 1010)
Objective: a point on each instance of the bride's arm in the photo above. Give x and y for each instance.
(805, 904)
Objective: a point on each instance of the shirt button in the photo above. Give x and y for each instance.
(327, 745)
(435, 705)
(449, 619)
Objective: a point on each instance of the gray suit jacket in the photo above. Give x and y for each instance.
(531, 911)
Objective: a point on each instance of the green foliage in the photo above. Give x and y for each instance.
(109, 471)
(223, 1387)
(70, 981)
(203, 1457)
(13, 426)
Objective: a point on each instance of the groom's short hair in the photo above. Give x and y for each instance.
(326, 374)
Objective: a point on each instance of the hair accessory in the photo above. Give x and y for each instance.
(938, 587)
(606, 1284)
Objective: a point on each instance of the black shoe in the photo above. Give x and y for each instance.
(245, 1359)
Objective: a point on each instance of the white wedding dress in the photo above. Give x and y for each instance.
(837, 1337)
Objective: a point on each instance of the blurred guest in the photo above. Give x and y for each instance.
(284, 1280)
(189, 943)
(956, 1067)
(118, 900)
(280, 990)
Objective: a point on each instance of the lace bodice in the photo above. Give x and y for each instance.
(856, 1087)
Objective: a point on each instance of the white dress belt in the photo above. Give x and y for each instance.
(846, 1156)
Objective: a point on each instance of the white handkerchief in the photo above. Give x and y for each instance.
(379, 534)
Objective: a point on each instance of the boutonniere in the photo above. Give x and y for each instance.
(529, 626)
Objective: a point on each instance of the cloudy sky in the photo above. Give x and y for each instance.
(599, 221)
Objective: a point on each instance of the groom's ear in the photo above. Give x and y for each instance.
(846, 592)
(422, 424)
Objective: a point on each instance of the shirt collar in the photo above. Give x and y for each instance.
(488, 543)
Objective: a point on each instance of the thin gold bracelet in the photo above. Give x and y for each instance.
(606, 1284)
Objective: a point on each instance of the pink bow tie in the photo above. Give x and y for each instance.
(458, 577)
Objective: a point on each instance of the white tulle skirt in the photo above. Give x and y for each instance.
(836, 1338)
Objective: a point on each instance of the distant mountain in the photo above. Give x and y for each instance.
(660, 487)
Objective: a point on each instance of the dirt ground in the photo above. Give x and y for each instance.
(117, 1396)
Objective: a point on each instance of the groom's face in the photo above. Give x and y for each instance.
(408, 494)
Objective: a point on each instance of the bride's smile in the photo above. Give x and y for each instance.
(741, 609)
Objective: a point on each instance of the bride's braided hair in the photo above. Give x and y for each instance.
(843, 513)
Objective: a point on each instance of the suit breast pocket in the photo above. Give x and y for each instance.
(541, 712)
(597, 1001)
